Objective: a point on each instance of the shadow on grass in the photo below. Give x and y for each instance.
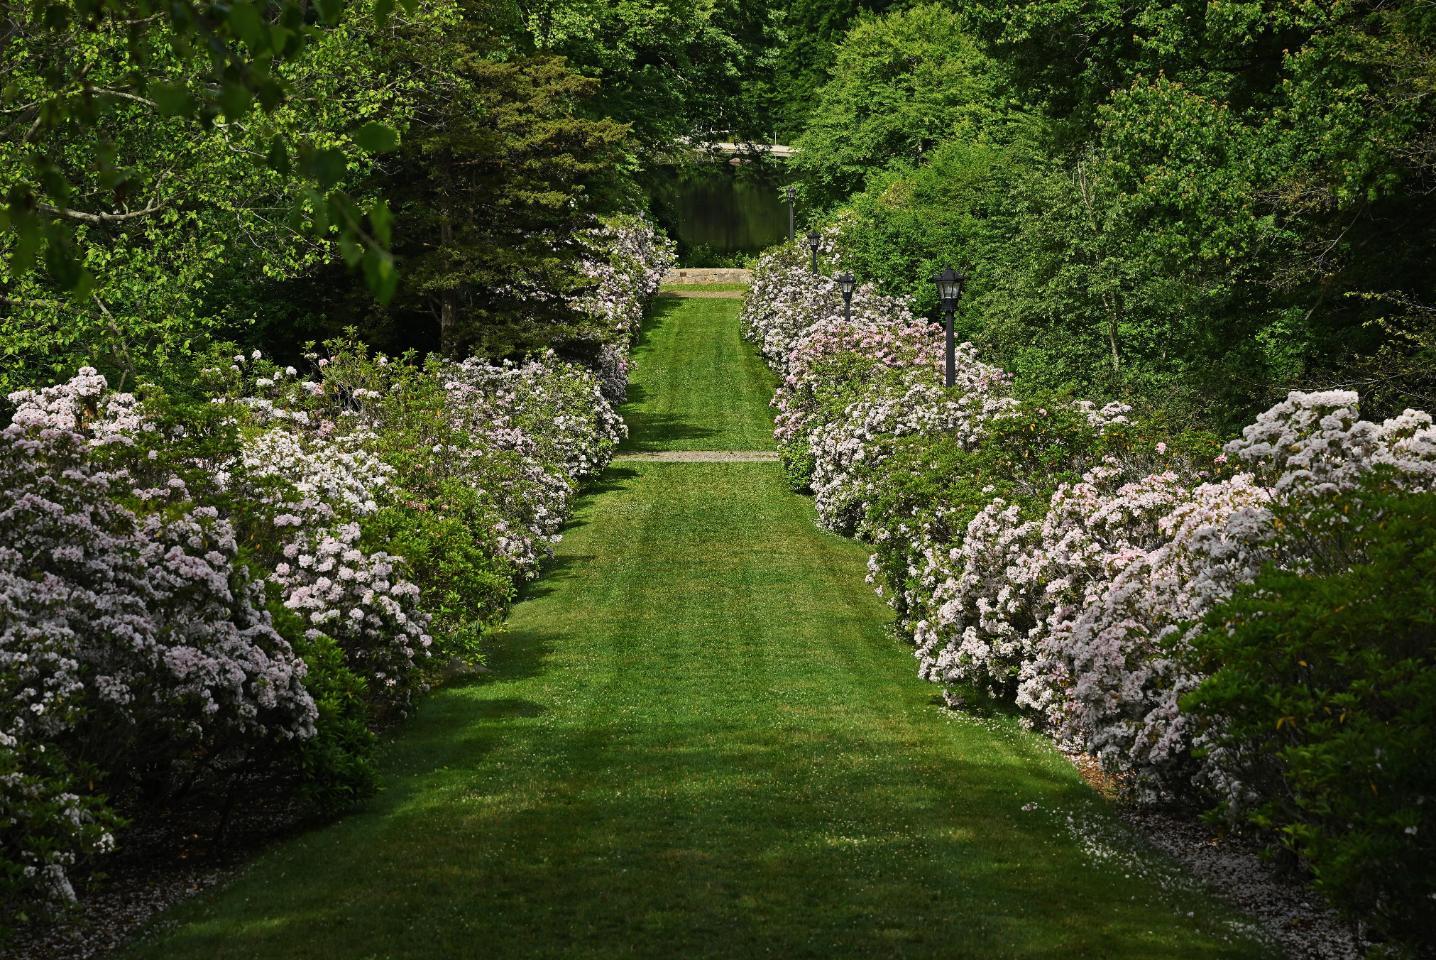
(692, 837)
(649, 432)
(660, 312)
(555, 571)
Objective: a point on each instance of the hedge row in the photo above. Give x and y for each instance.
(239, 586)
(1190, 612)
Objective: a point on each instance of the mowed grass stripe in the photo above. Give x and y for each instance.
(700, 740)
(696, 385)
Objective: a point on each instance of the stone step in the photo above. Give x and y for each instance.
(713, 275)
(698, 456)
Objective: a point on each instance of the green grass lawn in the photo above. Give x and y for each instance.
(696, 385)
(701, 741)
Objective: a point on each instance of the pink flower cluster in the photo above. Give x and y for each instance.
(1084, 612)
(151, 566)
(127, 622)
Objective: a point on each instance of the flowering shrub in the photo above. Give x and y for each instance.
(1050, 551)
(132, 640)
(850, 386)
(260, 575)
(626, 263)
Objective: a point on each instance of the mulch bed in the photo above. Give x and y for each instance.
(161, 861)
(1283, 905)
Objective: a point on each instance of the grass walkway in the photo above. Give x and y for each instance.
(695, 384)
(700, 741)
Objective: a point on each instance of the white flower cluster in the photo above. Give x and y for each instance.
(626, 262)
(307, 470)
(854, 385)
(552, 420)
(139, 554)
(355, 597)
(1082, 610)
(127, 622)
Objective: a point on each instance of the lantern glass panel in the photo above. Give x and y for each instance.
(949, 285)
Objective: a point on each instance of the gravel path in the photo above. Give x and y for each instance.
(700, 456)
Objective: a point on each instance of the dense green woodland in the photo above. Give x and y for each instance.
(1200, 204)
(1203, 205)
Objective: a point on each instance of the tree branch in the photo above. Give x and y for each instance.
(84, 217)
(121, 95)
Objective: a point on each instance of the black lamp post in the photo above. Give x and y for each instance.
(949, 289)
(846, 284)
(792, 195)
(815, 240)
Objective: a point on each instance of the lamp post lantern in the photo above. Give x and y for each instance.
(847, 284)
(815, 240)
(949, 289)
(791, 194)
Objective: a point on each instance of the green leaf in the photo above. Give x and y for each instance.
(330, 10)
(62, 263)
(247, 23)
(235, 100)
(325, 167)
(376, 137)
(268, 91)
(350, 249)
(379, 271)
(56, 16)
(29, 237)
(381, 219)
(172, 99)
(281, 38)
(278, 158)
(52, 181)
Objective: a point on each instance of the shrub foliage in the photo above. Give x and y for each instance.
(209, 591)
(1063, 556)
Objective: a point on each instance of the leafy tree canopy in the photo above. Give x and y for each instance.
(900, 85)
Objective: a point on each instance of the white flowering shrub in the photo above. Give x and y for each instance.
(1054, 553)
(853, 383)
(552, 414)
(130, 634)
(262, 573)
(627, 259)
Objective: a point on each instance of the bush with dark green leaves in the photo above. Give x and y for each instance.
(1321, 699)
(335, 767)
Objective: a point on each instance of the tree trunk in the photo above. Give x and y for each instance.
(448, 300)
(1110, 303)
(1112, 317)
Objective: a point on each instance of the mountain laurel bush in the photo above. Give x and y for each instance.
(1064, 555)
(251, 581)
(1319, 703)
